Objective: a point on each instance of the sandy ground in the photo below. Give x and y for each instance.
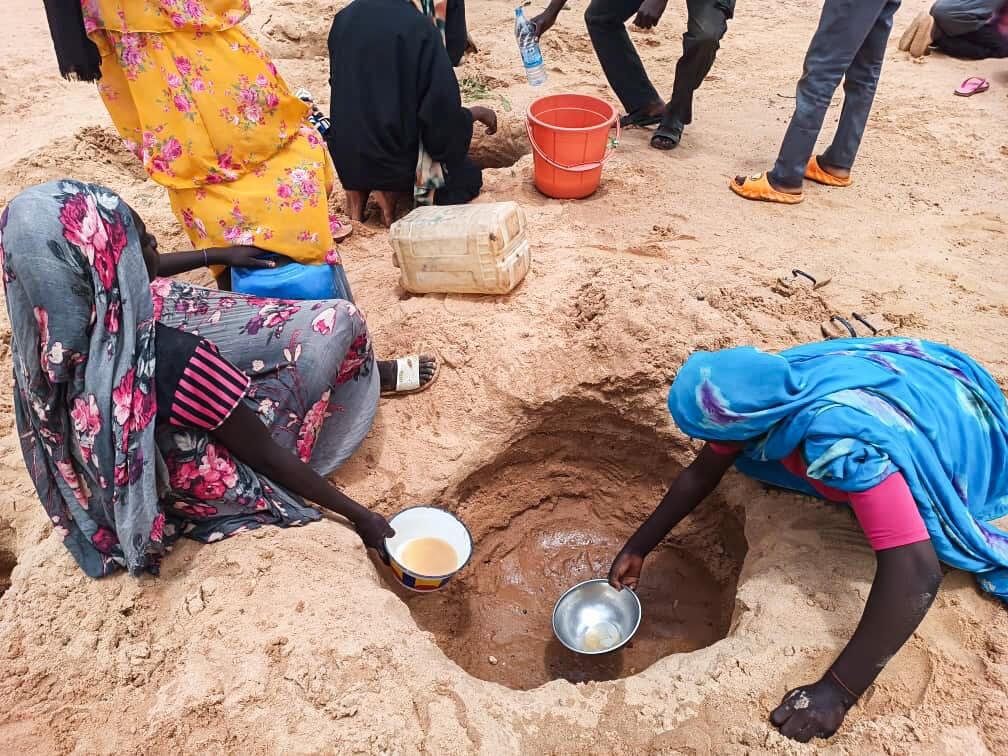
(548, 423)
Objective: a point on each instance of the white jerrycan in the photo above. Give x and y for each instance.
(462, 249)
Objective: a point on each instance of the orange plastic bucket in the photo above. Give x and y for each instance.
(570, 143)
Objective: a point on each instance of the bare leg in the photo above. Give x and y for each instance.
(388, 203)
(356, 204)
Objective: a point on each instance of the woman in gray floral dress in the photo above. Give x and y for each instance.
(150, 409)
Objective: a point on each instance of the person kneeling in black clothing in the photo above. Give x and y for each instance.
(398, 126)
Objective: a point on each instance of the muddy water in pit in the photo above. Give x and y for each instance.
(551, 510)
(502, 606)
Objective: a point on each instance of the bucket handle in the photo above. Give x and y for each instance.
(577, 168)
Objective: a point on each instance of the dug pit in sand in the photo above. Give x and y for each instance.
(289, 638)
(553, 510)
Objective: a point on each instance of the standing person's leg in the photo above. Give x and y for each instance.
(843, 27)
(706, 25)
(860, 83)
(606, 21)
(456, 32)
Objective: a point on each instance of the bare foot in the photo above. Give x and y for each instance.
(388, 203)
(648, 115)
(919, 35)
(924, 37)
(655, 108)
(356, 204)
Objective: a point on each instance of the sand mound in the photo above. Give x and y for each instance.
(93, 151)
(548, 434)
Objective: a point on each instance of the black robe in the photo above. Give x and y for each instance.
(393, 84)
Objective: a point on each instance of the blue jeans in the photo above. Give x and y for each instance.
(957, 17)
(850, 45)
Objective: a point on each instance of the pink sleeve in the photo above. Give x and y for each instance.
(727, 449)
(888, 514)
(209, 391)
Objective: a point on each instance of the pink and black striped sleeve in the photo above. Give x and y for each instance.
(208, 390)
(196, 386)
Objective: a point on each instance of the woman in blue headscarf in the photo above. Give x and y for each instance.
(913, 435)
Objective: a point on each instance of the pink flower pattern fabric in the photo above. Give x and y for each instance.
(316, 389)
(84, 355)
(204, 109)
(86, 399)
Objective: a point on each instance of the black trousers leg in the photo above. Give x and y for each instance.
(606, 21)
(705, 27)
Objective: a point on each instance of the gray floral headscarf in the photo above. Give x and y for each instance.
(83, 351)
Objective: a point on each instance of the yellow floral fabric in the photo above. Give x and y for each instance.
(202, 105)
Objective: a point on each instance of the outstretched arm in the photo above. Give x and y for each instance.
(249, 440)
(690, 488)
(906, 581)
(174, 263)
(648, 15)
(545, 20)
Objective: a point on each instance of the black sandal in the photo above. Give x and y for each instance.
(639, 119)
(788, 286)
(668, 133)
(835, 328)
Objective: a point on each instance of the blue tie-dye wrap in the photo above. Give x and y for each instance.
(860, 409)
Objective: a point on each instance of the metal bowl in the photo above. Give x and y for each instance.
(594, 618)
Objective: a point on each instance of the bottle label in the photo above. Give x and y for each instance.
(531, 56)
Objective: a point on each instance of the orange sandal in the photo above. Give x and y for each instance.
(757, 187)
(813, 172)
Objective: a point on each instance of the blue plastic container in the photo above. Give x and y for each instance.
(292, 280)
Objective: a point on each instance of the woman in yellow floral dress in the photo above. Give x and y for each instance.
(204, 108)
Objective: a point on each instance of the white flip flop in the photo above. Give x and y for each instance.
(408, 376)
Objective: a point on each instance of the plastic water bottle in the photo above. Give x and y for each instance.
(315, 116)
(528, 45)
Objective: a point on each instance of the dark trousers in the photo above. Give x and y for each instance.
(456, 32)
(956, 17)
(849, 44)
(985, 42)
(707, 23)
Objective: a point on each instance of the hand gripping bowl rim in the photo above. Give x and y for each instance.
(472, 543)
(621, 644)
